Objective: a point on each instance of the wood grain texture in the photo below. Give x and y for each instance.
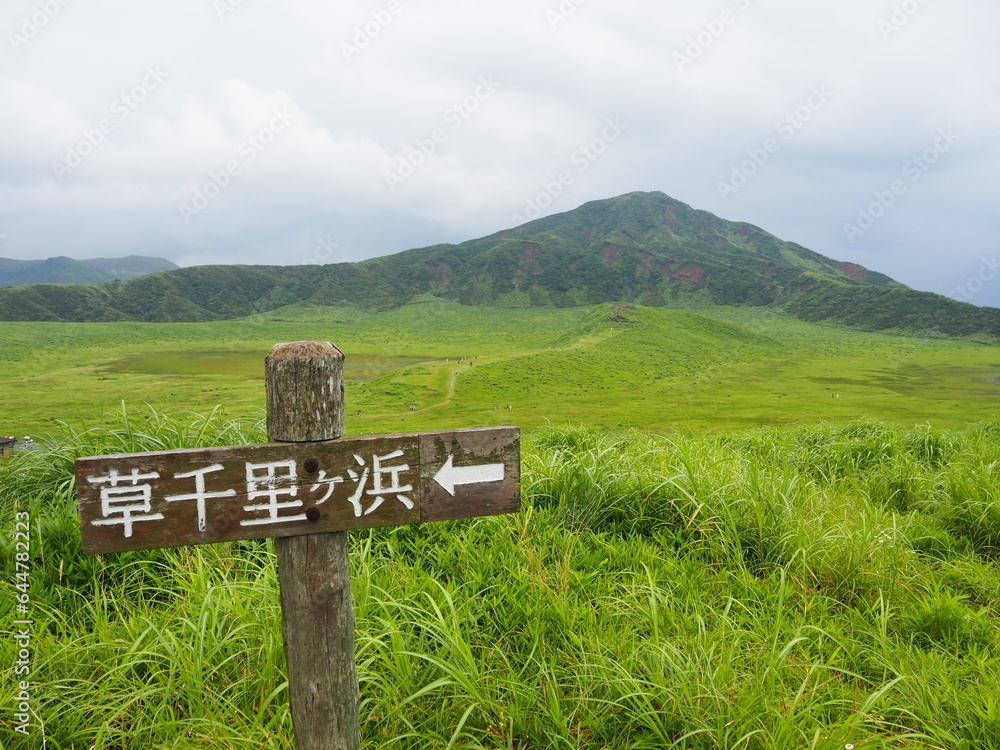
(304, 381)
(305, 402)
(314, 466)
(477, 447)
(318, 633)
(226, 517)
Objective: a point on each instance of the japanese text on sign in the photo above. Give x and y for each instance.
(273, 489)
(205, 495)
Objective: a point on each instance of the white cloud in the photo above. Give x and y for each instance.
(355, 120)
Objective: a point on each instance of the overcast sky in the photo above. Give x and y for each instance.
(253, 131)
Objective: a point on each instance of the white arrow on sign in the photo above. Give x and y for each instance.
(449, 476)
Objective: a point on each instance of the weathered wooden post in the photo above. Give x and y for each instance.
(305, 403)
(306, 488)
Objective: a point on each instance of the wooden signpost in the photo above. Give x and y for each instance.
(306, 488)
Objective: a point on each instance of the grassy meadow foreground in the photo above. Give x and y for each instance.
(808, 587)
(769, 535)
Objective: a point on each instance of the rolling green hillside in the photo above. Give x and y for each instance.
(641, 248)
(877, 309)
(62, 270)
(131, 266)
(434, 364)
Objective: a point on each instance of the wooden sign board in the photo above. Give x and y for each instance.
(206, 495)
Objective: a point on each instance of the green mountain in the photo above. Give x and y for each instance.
(641, 247)
(131, 266)
(62, 270)
(9, 264)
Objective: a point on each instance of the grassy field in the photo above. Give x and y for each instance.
(437, 365)
(807, 587)
(51, 372)
(770, 535)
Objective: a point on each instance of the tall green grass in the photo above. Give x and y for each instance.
(802, 588)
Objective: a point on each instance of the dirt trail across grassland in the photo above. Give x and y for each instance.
(453, 375)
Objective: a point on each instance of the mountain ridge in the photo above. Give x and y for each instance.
(646, 248)
(63, 270)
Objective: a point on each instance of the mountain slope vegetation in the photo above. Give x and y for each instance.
(641, 248)
(62, 270)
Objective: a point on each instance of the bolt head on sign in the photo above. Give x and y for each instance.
(205, 495)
